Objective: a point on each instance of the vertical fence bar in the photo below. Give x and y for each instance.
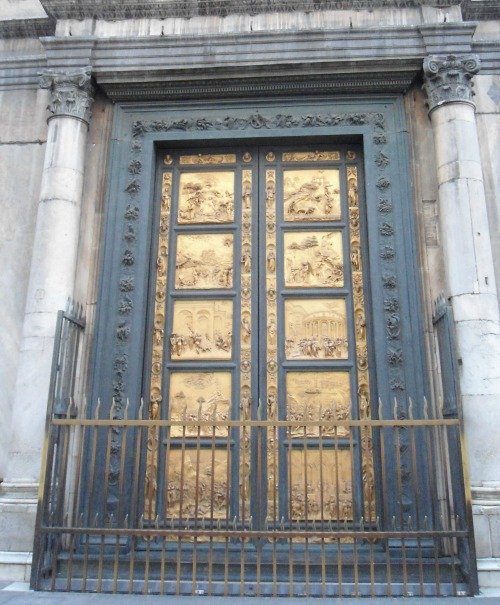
(327, 554)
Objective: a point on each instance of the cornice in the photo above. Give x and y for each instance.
(161, 9)
(480, 10)
(340, 60)
(27, 28)
(254, 86)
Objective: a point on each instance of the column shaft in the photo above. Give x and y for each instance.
(468, 256)
(51, 285)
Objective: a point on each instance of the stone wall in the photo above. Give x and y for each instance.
(22, 148)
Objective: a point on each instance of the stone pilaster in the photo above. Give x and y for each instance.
(470, 274)
(51, 284)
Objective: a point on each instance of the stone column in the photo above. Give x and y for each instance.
(51, 284)
(469, 266)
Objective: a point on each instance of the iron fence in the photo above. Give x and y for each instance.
(213, 506)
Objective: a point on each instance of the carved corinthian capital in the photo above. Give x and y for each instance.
(72, 93)
(447, 79)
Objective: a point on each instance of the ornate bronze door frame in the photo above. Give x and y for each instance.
(259, 314)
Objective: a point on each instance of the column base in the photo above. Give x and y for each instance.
(18, 503)
(486, 514)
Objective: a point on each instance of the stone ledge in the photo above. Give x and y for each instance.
(15, 566)
(486, 495)
(488, 564)
(18, 492)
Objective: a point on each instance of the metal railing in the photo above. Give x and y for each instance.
(207, 505)
(65, 358)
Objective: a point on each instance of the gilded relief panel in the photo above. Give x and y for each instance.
(314, 259)
(315, 328)
(202, 329)
(197, 484)
(207, 159)
(206, 197)
(318, 396)
(311, 195)
(311, 156)
(204, 261)
(199, 396)
(320, 484)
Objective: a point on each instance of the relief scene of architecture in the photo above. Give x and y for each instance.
(202, 329)
(315, 328)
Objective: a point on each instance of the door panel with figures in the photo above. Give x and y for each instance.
(258, 348)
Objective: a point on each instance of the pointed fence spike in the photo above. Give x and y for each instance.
(96, 520)
(440, 407)
(380, 409)
(426, 522)
(157, 522)
(234, 523)
(141, 408)
(395, 409)
(125, 521)
(410, 408)
(97, 409)
(141, 522)
(80, 521)
(125, 411)
(83, 412)
(426, 409)
(112, 408)
(250, 522)
(393, 522)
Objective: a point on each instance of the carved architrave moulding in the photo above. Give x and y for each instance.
(447, 79)
(71, 93)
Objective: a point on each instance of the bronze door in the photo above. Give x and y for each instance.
(258, 340)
